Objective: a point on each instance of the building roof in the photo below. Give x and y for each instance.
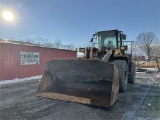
(28, 44)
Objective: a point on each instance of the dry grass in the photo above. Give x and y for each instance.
(152, 65)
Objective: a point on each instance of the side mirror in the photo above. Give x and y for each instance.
(123, 36)
(91, 40)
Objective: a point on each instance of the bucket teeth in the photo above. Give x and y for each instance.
(84, 81)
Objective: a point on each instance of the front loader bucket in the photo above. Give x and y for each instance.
(84, 81)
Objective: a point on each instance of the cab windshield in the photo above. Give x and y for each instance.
(107, 39)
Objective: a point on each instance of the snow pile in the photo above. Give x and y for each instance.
(16, 80)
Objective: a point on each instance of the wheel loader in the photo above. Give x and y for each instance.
(96, 78)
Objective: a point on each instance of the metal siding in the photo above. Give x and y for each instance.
(10, 67)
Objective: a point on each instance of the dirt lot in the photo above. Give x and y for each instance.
(140, 102)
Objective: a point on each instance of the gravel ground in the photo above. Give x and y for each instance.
(140, 102)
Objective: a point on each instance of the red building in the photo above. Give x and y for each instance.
(19, 60)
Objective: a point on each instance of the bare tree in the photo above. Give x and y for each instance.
(137, 57)
(58, 44)
(146, 41)
(45, 42)
(69, 47)
(156, 54)
(38, 41)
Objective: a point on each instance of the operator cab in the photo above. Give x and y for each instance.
(111, 39)
(105, 42)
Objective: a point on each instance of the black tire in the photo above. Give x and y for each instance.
(131, 78)
(122, 67)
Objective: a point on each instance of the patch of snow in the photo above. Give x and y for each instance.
(149, 69)
(16, 80)
(143, 81)
(141, 73)
(158, 75)
(149, 79)
(152, 69)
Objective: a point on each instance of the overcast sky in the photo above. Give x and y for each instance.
(74, 21)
